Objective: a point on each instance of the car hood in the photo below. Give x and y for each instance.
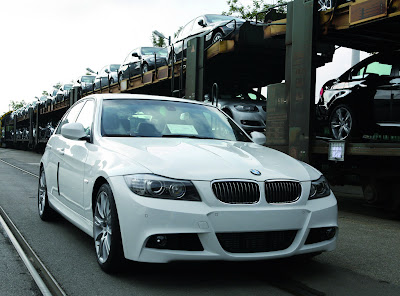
(194, 159)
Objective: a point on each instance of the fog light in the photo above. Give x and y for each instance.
(317, 235)
(161, 240)
(330, 232)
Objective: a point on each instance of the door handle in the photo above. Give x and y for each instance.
(60, 151)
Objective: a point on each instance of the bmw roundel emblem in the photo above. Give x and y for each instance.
(255, 172)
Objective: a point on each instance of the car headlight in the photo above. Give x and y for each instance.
(159, 187)
(319, 188)
(209, 35)
(246, 108)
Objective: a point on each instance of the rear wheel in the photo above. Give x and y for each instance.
(45, 212)
(106, 231)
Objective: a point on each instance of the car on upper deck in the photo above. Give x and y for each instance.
(141, 60)
(106, 76)
(216, 26)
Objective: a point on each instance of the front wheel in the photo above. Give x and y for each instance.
(342, 123)
(145, 68)
(217, 37)
(106, 231)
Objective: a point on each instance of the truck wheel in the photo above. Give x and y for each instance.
(342, 123)
(375, 191)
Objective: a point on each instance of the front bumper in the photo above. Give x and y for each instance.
(141, 218)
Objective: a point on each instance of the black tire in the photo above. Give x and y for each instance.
(106, 231)
(46, 213)
(145, 68)
(217, 37)
(343, 123)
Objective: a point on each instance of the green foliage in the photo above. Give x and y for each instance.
(14, 105)
(57, 85)
(249, 12)
(157, 41)
(45, 93)
(178, 31)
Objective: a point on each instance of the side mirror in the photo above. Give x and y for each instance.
(201, 23)
(257, 137)
(78, 81)
(73, 131)
(107, 71)
(135, 54)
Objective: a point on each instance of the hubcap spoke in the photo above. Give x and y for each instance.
(102, 227)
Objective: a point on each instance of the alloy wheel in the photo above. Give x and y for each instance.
(42, 193)
(341, 123)
(102, 227)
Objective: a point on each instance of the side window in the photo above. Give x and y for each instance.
(196, 26)
(70, 116)
(186, 30)
(381, 69)
(86, 116)
(357, 73)
(252, 96)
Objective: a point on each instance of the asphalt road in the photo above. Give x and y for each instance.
(366, 261)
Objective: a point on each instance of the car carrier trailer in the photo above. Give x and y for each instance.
(368, 25)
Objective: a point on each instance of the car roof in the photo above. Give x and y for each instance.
(142, 97)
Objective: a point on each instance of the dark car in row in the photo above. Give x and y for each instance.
(363, 100)
(216, 26)
(141, 60)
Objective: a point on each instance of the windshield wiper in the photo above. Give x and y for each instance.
(189, 136)
(117, 135)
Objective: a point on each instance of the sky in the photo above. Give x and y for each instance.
(48, 41)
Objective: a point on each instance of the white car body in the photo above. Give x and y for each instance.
(74, 168)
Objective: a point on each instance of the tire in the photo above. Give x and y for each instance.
(217, 37)
(46, 213)
(106, 231)
(145, 68)
(342, 123)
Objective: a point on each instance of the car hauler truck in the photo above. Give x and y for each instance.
(288, 47)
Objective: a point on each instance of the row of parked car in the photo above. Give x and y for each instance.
(247, 107)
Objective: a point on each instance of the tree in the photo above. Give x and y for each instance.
(178, 31)
(157, 41)
(57, 85)
(249, 12)
(45, 93)
(14, 105)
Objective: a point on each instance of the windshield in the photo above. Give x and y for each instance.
(151, 50)
(114, 68)
(156, 118)
(214, 18)
(87, 79)
(67, 86)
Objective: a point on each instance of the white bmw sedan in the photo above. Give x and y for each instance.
(157, 179)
